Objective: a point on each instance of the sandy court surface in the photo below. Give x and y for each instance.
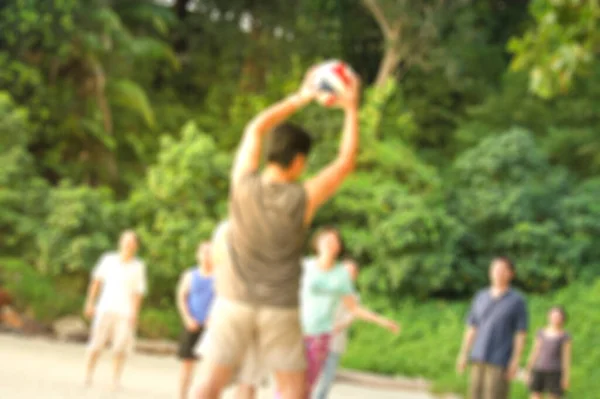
(38, 368)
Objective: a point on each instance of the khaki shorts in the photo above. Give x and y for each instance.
(488, 382)
(114, 328)
(250, 372)
(237, 331)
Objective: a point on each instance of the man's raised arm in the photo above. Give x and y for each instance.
(321, 187)
(247, 158)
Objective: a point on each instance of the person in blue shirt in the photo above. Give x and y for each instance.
(495, 335)
(195, 294)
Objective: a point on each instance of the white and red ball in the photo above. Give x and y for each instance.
(332, 80)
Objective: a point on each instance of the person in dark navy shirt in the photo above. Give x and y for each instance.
(495, 335)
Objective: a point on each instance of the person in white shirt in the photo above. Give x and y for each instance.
(120, 278)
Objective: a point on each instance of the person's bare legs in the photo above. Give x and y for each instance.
(291, 384)
(90, 367)
(100, 331)
(118, 363)
(187, 370)
(535, 395)
(213, 380)
(245, 391)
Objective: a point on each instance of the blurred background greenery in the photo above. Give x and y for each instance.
(479, 137)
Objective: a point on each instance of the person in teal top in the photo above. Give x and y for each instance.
(321, 294)
(327, 283)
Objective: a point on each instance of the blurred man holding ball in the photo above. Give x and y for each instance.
(270, 212)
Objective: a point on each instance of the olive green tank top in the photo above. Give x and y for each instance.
(265, 241)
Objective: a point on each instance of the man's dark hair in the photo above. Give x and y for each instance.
(329, 229)
(508, 262)
(286, 142)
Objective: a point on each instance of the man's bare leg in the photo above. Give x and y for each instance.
(90, 367)
(187, 370)
(245, 391)
(291, 384)
(213, 380)
(118, 363)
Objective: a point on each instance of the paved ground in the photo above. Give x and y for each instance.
(33, 368)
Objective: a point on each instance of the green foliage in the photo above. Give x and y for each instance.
(80, 223)
(432, 335)
(411, 243)
(179, 205)
(436, 235)
(427, 347)
(159, 324)
(560, 46)
(513, 202)
(128, 94)
(22, 202)
(565, 125)
(582, 217)
(21, 189)
(37, 295)
(74, 64)
(14, 124)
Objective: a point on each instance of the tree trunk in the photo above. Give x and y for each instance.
(391, 32)
(388, 65)
(253, 73)
(180, 8)
(180, 41)
(100, 86)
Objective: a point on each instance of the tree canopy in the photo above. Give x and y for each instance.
(479, 128)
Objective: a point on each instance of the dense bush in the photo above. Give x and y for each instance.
(80, 224)
(14, 125)
(38, 296)
(179, 204)
(22, 201)
(582, 225)
(437, 237)
(458, 160)
(159, 323)
(427, 236)
(509, 198)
